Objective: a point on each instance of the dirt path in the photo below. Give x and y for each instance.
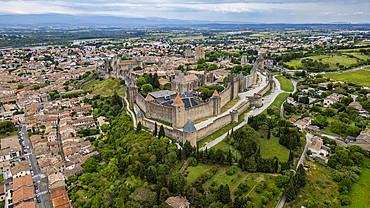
(259, 179)
(240, 183)
(184, 166)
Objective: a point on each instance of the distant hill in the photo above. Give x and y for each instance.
(65, 20)
(71, 20)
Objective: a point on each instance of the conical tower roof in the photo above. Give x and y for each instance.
(215, 94)
(240, 75)
(260, 56)
(254, 67)
(139, 114)
(178, 101)
(189, 127)
(149, 98)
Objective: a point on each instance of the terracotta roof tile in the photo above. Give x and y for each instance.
(22, 181)
(178, 101)
(149, 98)
(215, 94)
(23, 193)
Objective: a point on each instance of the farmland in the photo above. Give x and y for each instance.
(325, 59)
(360, 77)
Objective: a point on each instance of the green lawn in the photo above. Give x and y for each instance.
(270, 148)
(106, 87)
(325, 59)
(278, 101)
(285, 83)
(194, 172)
(360, 77)
(219, 178)
(1, 178)
(11, 134)
(360, 191)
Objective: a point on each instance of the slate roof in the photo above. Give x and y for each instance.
(189, 127)
(240, 75)
(254, 67)
(130, 66)
(139, 114)
(260, 56)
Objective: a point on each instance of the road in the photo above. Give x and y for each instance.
(243, 97)
(130, 112)
(41, 179)
(266, 103)
(282, 105)
(309, 136)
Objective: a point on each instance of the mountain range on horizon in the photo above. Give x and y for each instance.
(64, 20)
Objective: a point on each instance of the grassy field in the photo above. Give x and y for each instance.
(106, 87)
(319, 188)
(350, 50)
(360, 77)
(219, 178)
(11, 134)
(229, 104)
(285, 83)
(278, 101)
(325, 59)
(267, 93)
(271, 148)
(360, 191)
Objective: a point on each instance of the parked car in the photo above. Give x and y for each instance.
(29, 164)
(306, 166)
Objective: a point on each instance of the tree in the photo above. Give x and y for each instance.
(155, 132)
(161, 132)
(104, 128)
(338, 127)
(302, 179)
(20, 86)
(138, 128)
(353, 131)
(188, 149)
(225, 198)
(269, 134)
(90, 165)
(147, 88)
(164, 194)
(37, 87)
(199, 200)
(140, 82)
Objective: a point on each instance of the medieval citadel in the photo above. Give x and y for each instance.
(178, 106)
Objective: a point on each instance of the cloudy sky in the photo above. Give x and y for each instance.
(258, 11)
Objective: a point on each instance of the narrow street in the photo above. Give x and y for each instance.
(39, 178)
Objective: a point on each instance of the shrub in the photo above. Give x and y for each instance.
(192, 162)
(231, 170)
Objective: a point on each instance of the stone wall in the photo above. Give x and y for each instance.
(200, 111)
(81, 84)
(244, 107)
(214, 126)
(160, 112)
(265, 89)
(225, 96)
(140, 101)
